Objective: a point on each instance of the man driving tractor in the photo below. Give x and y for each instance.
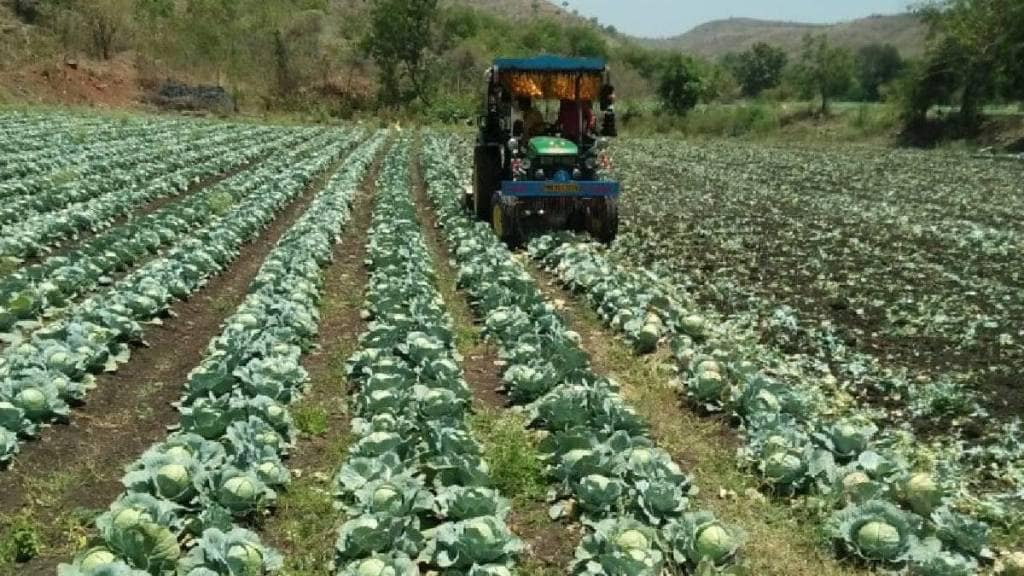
(533, 173)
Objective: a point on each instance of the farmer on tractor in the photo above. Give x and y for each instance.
(541, 167)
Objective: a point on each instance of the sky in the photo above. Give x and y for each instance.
(658, 18)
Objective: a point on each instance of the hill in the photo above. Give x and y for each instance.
(719, 37)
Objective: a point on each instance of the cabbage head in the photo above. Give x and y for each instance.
(922, 493)
(381, 565)
(242, 492)
(136, 537)
(98, 562)
(40, 402)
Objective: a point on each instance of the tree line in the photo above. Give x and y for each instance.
(427, 58)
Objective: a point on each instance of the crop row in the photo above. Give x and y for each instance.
(127, 163)
(414, 487)
(188, 498)
(632, 496)
(57, 149)
(42, 290)
(796, 438)
(56, 365)
(24, 133)
(36, 233)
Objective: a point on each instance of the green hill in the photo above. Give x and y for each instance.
(719, 37)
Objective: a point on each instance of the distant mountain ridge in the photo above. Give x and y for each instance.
(713, 39)
(719, 37)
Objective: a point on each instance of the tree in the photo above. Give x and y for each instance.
(976, 48)
(758, 68)
(824, 69)
(877, 64)
(679, 85)
(585, 41)
(400, 34)
(107, 23)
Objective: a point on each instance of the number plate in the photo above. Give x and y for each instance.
(567, 188)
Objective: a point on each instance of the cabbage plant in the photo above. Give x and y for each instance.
(456, 503)
(876, 531)
(928, 558)
(478, 541)
(697, 538)
(619, 546)
(237, 552)
(369, 534)
(8, 445)
(135, 535)
(241, 492)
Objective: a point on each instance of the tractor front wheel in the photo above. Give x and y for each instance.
(503, 221)
(603, 221)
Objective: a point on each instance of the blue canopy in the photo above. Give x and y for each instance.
(549, 63)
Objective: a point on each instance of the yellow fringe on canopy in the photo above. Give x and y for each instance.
(551, 85)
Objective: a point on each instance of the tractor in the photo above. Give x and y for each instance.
(539, 155)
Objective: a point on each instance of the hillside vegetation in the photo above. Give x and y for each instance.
(720, 37)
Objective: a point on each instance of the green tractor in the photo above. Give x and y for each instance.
(540, 168)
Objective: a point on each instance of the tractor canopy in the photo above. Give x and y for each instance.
(552, 146)
(551, 77)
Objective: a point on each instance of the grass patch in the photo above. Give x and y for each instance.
(9, 264)
(311, 420)
(307, 521)
(511, 451)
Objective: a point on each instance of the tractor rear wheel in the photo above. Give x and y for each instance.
(503, 221)
(603, 221)
(486, 179)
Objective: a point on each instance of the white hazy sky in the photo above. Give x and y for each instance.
(656, 18)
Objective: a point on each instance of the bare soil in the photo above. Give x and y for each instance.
(74, 470)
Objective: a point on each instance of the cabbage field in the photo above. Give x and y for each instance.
(232, 349)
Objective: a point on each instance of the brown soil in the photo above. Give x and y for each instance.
(112, 84)
(128, 411)
(551, 545)
(297, 528)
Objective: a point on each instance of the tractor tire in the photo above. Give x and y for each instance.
(604, 220)
(486, 180)
(504, 222)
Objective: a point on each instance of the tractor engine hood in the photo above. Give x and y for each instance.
(552, 146)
